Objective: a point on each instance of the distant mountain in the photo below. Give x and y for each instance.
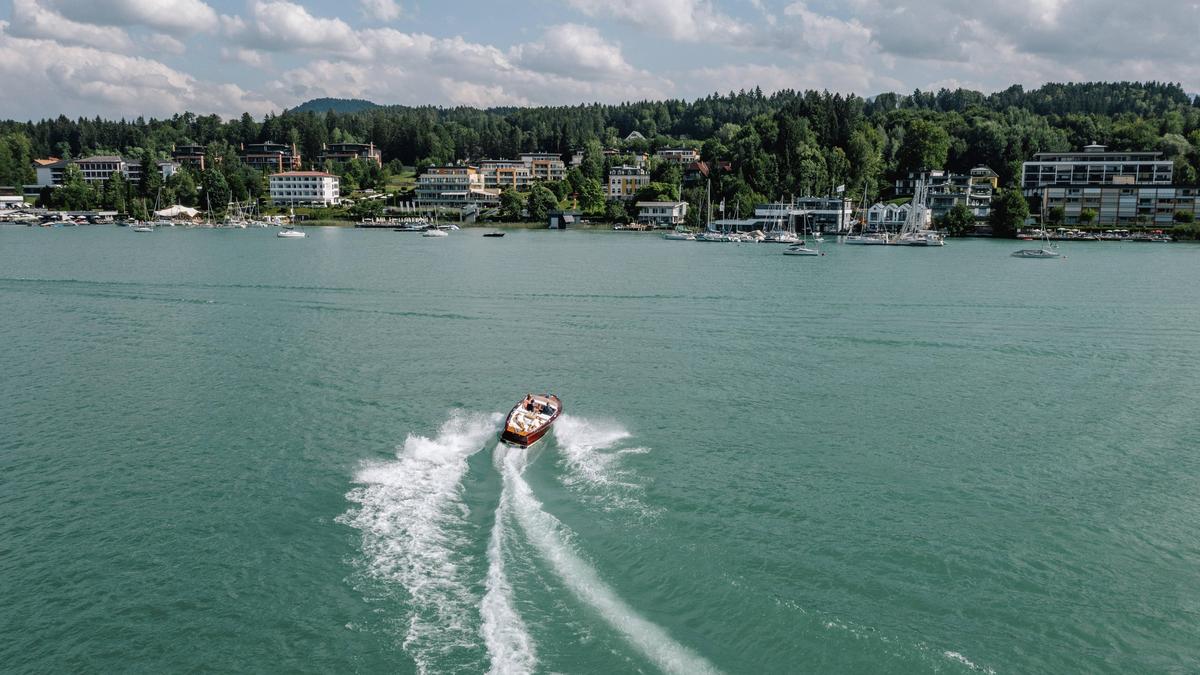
(337, 105)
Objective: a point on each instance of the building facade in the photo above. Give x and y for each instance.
(191, 156)
(344, 152)
(454, 187)
(625, 181)
(662, 214)
(1121, 205)
(97, 169)
(305, 188)
(544, 166)
(271, 157)
(680, 156)
(1095, 166)
(505, 174)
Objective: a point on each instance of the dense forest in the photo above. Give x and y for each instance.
(786, 143)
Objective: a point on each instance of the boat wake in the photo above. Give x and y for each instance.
(552, 540)
(415, 532)
(509, 644)
(592, 463)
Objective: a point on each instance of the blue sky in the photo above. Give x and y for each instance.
(157, 57)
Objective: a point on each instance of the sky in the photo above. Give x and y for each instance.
(130, 58)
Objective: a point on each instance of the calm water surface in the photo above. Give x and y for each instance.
(222, 451)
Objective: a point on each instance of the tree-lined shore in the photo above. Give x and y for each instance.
(789, 143)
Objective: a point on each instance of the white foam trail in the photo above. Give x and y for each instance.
(550, 537)
(414, 532)
(509, 644)
(955, 656)
(586, 452)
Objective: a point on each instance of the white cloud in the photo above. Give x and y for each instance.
(32, 20)
(574, 50)
(380, 10)
(165, 43)
(682, 20)
(74, 80)
(246, 57)
(172, 16)
(278, 25)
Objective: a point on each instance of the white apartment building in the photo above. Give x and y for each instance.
(625, 181)
(680, 156)
(305, 188)
(544, 165)
(1095, 166)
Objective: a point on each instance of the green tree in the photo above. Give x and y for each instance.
(1185, 217)
(959, 220)
(541, 202)
(615, 212)
(216, 191)
(926, 146)
(512, 203)
(1009, 211)
(1057, 215)
(76, 194)
(1087, 217)
(591, 196)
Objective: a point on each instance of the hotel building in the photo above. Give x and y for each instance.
(1095, 166)
(453, 187)
(544, 165)
(305, 188)
(97, 169)
(680, 156)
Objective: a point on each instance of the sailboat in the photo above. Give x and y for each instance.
(802, 248)
(914, 232)
(865, 238)
(1048, 250)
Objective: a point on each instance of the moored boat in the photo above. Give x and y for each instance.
(530, 419)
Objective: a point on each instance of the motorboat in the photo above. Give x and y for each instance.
(290, 233)
(801, 249)
(493, 234)
(867, 239)
(1036, 253)
(435, 233)
(143, 227)
(681, 233)
(530, 419)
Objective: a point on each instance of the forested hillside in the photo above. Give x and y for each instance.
(785, 143)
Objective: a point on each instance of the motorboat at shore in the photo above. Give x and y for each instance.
(530, 419)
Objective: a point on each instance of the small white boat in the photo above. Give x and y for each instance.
(290, 233)
(435, 233)
(870, 239)
(143, 227)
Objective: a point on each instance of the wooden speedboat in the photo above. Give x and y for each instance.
(530, 419)
(493, 234)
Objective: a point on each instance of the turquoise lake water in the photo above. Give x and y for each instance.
(226, 452)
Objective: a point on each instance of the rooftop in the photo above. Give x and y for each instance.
(318, 174)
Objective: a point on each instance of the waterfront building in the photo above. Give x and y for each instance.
(820, 214)
(96, 169)
(271, 157)
(1125, 205)
(504, 174)
(945, 189)
(454, 187)
(662, 214)
(625, 181)
(305, 188)
(544, 165)
(887, 217)
(1095, 166)
(344, 152)
(680, 156)
(191, 156)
